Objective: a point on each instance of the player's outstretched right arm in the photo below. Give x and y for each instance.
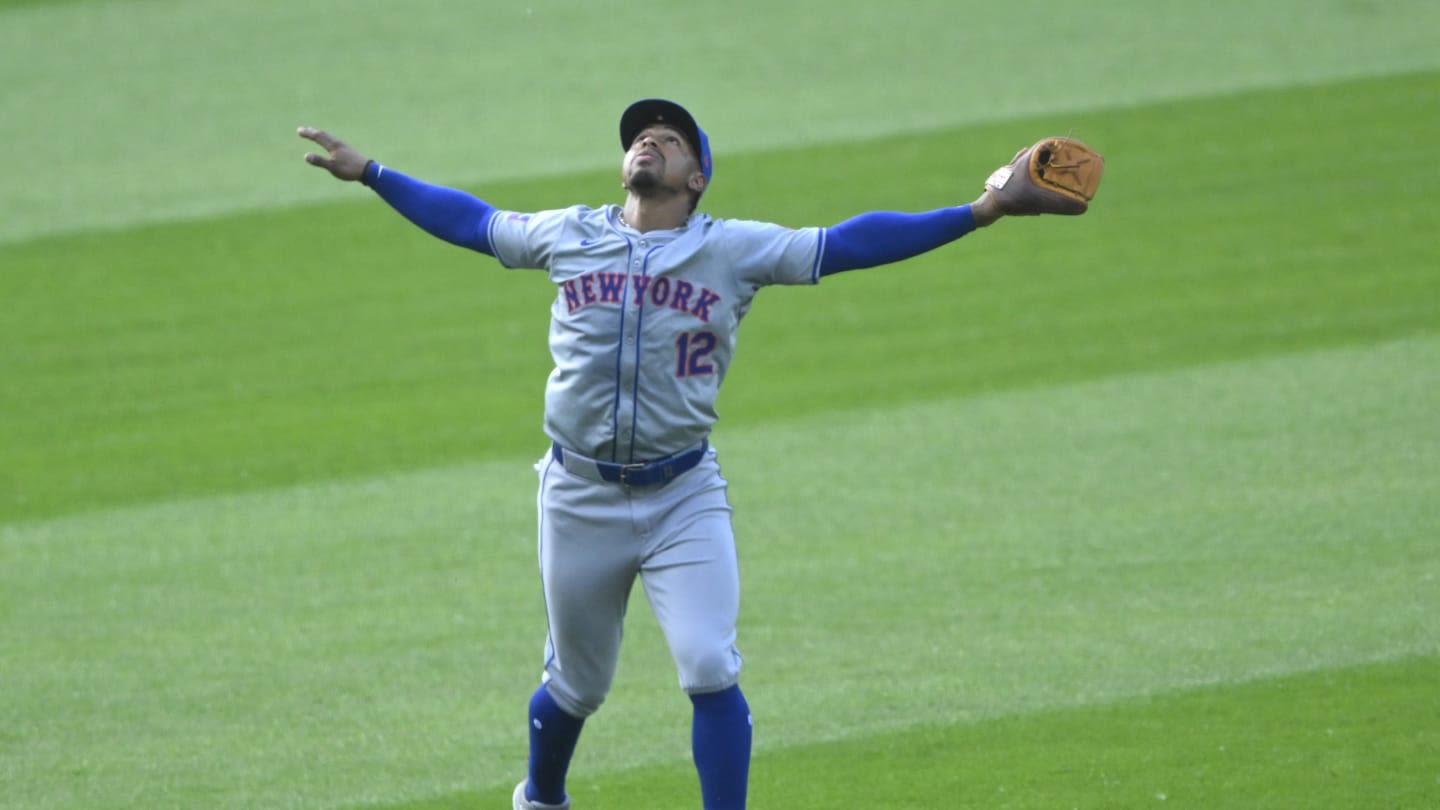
(446, 213)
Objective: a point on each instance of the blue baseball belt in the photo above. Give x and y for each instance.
(659, 472)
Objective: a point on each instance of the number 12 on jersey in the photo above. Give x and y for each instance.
(691, 351)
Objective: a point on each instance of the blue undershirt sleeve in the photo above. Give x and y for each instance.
(882, 237)
(455, 216)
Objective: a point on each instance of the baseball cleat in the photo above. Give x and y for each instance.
(522, 803)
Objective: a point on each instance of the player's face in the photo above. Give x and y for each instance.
(660, 158)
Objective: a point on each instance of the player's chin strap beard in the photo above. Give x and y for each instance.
(648, 185)
(644, 183)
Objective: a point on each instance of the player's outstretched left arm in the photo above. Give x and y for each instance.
(341, 159)
(1054, 176)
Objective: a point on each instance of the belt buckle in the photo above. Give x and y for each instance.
(626, 470)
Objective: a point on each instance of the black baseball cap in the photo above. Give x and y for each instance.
(649, 111)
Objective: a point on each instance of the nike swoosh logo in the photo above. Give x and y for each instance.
(588, 242)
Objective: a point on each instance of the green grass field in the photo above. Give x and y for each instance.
(1132, 510)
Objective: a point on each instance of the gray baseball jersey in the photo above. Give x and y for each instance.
(643, 325)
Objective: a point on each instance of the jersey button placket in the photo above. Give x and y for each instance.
(627, 378)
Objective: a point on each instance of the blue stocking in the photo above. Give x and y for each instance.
(720, 741)
(553, 734)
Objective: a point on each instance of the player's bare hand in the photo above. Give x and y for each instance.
(340, 159)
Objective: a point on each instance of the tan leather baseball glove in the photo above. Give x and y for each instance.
(1054, 176)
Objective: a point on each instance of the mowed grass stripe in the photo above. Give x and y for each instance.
(941, 562)
(337, 341)
(481, 92)
(1348, 739)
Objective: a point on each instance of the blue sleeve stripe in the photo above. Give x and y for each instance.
(490, 220)
(819, 257)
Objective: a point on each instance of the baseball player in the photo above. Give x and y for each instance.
(649, 295)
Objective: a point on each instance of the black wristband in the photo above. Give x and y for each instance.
(364, 172)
